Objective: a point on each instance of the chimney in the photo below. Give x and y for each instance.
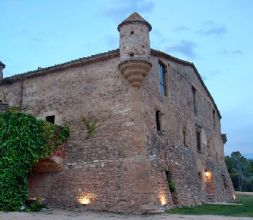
(2, 66)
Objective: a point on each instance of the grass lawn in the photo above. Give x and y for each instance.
(246, 209)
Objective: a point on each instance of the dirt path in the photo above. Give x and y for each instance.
(244, 193)
(74, 215)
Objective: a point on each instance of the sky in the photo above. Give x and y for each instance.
(216, 35)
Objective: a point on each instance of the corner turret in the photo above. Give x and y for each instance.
(134, 49)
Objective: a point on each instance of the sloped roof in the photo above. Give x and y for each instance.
(63, 66)
(135, 18)
(97, 58)
(2, 64)
(186, 63)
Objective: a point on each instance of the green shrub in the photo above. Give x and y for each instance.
(24, 140)
(172, 185)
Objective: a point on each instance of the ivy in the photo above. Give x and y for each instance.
(24, 140)
(172, 186)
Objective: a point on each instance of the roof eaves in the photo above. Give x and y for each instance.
(62, 66)
(186, 63)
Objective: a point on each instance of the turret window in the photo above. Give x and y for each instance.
(162, 79)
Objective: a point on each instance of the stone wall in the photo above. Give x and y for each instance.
(112, 166)
(3, 107)
(167, 150)
(122, 166)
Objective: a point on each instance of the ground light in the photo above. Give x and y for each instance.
(163, 198)
(86, 198)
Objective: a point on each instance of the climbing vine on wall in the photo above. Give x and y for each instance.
(24, 140)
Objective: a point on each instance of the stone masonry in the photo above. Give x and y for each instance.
(157, 125)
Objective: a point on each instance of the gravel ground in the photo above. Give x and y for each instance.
(87, 215)
(75, 215)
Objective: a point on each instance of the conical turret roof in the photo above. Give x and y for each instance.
(2, 64)
(135, 18)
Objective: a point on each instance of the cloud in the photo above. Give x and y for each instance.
(184, 47)
(210, 28)
(181, 28)
(127, 7)
(231, 52)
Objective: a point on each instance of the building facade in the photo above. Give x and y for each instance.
(157, 140)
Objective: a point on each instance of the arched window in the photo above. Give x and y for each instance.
(158, 120)
(162, 79)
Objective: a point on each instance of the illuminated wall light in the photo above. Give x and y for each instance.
(163, 199)
(234, 197)
(86, 198)
(208, 176)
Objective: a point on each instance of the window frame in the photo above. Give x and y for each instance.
(162, 72)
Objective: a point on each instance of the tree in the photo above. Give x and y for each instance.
(241, 171)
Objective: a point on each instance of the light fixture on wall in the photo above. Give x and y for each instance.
(208, 175)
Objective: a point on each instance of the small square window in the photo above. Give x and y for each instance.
(50, 118)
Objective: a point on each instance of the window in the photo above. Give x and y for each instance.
(184, 136)
(50, 119)
(198, 138)
(158, 120)
(162, 79)
(194, 100)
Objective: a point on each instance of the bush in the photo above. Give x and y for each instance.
(172, 186)
(24, 140)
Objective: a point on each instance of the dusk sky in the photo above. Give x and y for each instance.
(216, 35)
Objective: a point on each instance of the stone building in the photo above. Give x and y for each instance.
(157, 141)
